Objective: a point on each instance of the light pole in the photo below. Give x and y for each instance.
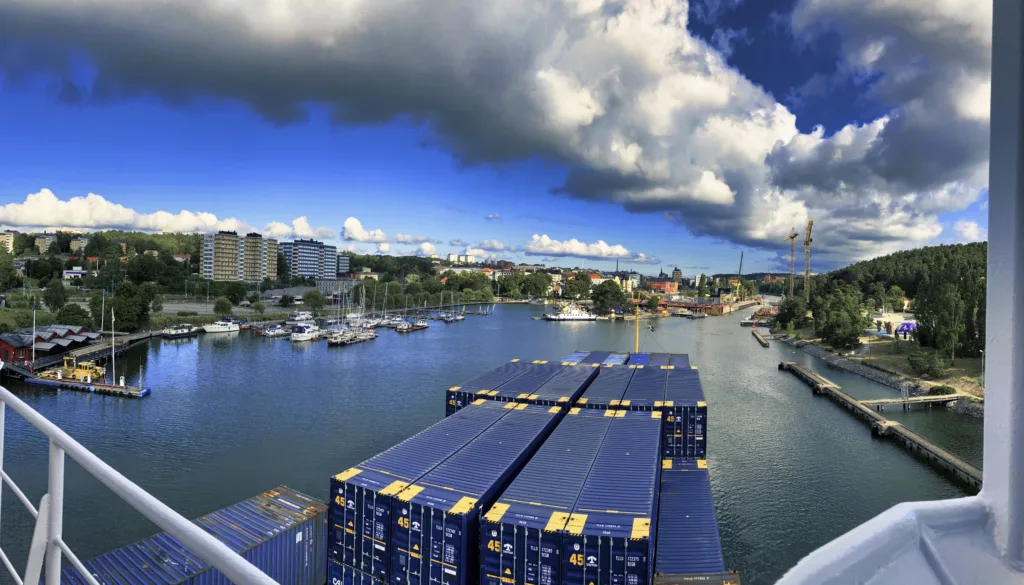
(983, 369)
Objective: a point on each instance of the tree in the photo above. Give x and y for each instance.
(157, 304)
(259, 307)
(314, 299)
(74, 314)
(607, 296)
(652, 303)
(8, 274)
(96, 306)
(702, 286)
(53, 249)
(839, 316)
(222, 306)
(55, 296)
(578, 287)
(287, 300)
(894, 298)
(23, 243)
(282, 267)
(793, 311)
(130, 304)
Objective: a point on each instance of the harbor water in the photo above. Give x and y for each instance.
(232, 415)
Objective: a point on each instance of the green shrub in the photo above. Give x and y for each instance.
(941, 390)
(187, 313)
(925, 363)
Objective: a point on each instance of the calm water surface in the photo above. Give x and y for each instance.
(232, 415)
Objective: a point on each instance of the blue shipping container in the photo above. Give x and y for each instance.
(615, 359)
(679, 360)
(480, 387)
(688, 547)
(660, 359)
(639, 359)
(523, 386)
(685, 414)
(562, 389)
(435, 532)
(282, 532)
(646, 388)
(608, 539)
(607, 389)
(520, 536)
(361, 497)
(595, 357)
(575, 357)
(338, 574)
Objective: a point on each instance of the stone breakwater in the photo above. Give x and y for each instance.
(842, 363)
(968, 407)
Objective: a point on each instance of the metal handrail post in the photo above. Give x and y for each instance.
(55, 523)
(3, 417)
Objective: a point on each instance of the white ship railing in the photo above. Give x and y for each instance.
(978, 539)
(48, 544)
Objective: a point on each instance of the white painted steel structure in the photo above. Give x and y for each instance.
(978, 539)
(47, 539)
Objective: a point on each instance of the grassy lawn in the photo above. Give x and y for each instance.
(965, 375)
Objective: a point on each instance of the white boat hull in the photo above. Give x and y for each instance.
(221, 327)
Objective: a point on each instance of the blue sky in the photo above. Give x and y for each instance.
(671, 134)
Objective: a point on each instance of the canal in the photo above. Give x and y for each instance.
(232, 415)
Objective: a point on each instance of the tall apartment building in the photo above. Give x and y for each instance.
(79, 243)
(43, 242)
(8, 241)
(677, 275)
(311, 259)
(228, 257)
(344, 263)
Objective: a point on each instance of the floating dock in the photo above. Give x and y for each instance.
(883, 427)
(760, 338)
(92, 387)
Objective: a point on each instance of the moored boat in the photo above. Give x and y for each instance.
(179, 331)
(304, 332)
(571, 312)
(224, 325)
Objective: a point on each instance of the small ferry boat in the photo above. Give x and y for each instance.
(224, 325)
(572, 312)
(299, 318)
(179, 331)
(304, 332)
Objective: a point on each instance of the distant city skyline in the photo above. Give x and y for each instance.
(374, 150)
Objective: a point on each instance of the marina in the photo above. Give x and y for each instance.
(280, 388)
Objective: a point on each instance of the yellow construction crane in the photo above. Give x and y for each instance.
(807, 263)
(792, 259)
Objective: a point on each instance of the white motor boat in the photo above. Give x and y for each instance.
(304, 332)
(224, 325)
(299, 318)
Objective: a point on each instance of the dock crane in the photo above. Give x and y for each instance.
(807, 263)
(739, 278)
(792, 258)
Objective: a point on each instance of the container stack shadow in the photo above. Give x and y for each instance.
(586, 471)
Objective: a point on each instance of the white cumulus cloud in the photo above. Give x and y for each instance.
(384, 248)
(408, 239)
(492, 246)
(94, 212)
(645, 114)
(542, 245)
(970, 231)
(493, 217)
(426, 249)
(353, 230)
(457, 243)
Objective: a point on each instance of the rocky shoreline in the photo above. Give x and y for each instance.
(968, 407)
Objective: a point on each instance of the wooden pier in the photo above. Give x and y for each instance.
(760, 338)
(883, 427)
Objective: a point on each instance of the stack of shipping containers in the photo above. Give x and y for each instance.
(544, 474)
(282, 532)
(581, 518)
(436, 519)
(362, 496)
